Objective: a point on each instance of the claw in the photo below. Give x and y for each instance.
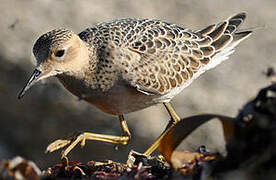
(65, 162)
(58, 144)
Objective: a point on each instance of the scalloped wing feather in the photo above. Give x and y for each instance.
(171, 57)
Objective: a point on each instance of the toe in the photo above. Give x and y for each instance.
(58, 144)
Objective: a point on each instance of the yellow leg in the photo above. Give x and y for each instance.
(174, 119)
(172, 113)
(81, 138)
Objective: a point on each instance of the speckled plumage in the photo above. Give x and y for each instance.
(135, 63)
(129, 64)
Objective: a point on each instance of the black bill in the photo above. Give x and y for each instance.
(30, 83)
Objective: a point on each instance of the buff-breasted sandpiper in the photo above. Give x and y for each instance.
(129, 64)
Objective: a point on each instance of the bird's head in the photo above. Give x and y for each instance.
(57, 52)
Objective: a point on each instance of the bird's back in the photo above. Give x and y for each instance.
(157, 57)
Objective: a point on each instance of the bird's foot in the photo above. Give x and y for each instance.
(70, 142)
(133, 156)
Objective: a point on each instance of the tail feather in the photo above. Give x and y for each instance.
(234, 22)
(219, 31)
(239, 37)
(225, 36)
(207, 30)
(222, 42)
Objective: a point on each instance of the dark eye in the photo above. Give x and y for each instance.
(59, 53)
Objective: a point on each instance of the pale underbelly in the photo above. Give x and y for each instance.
(120, 103)
(120, 99)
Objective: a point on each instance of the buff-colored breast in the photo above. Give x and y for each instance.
(120, 99)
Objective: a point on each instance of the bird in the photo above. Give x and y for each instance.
(129, 64)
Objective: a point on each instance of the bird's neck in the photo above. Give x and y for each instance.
(85, 71)
(85, 76)
(80, 82)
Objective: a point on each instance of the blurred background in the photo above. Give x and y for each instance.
(48, 111)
